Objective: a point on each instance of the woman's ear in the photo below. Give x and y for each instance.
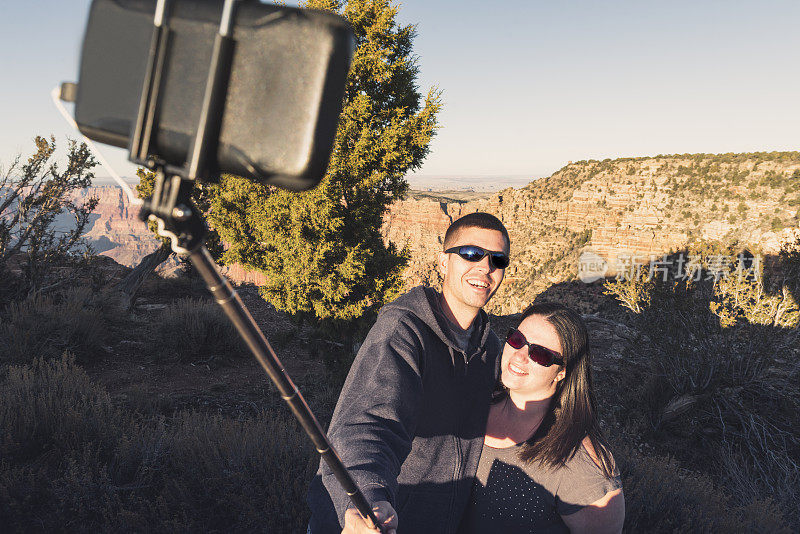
(560, 375)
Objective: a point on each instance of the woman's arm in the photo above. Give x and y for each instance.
(604, 516)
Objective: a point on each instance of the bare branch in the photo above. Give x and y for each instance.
(34, 198)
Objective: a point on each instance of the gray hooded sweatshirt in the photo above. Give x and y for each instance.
(410, 419)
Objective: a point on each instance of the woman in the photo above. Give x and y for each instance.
(545, 466)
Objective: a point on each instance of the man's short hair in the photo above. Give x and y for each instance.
(478, 219)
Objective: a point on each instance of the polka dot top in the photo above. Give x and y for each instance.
(511, 496)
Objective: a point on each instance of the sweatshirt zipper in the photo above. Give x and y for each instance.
(452, 525)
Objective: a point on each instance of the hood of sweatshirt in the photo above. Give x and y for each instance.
(423, 302)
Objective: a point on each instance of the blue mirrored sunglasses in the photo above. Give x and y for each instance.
(473, 253)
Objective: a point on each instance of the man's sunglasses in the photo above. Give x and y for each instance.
(499, 260)
(541, 355)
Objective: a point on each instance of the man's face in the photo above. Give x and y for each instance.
(468, 286)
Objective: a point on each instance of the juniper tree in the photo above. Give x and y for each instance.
(322, 250)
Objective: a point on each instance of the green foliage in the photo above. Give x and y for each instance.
(322, 250)
(32, 197)
(583, 238)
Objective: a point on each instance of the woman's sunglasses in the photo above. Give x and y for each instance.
(499, 260)
(541, 355)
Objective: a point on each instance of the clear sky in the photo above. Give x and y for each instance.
(527, 85)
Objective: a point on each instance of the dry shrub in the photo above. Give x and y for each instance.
(53, 407)
(249, 472)
(742, 287)
(633, 291)
(780, 480)
(172, 287)
(59, 430)
(741, 296)
(193, 329)
(661, 496)
(71, 461)
(77, 320)
(721, 395)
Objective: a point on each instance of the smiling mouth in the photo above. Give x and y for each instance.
(478, 284)
(516, 370)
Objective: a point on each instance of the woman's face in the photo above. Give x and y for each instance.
(521, 375)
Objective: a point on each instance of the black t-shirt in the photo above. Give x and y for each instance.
(511, 496)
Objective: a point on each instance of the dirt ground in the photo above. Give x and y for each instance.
(230, 386)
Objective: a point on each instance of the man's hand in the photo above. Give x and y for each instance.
(355, 524)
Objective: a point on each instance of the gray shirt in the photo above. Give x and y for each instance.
(462, 338)
(512, 496)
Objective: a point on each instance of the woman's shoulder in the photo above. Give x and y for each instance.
(588, 449)
(583, 479)
(588, 456)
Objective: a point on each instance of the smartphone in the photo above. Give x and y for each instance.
(284, 93)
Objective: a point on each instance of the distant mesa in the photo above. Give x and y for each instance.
(478, 184)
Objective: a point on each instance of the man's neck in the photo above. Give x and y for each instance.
(457, 315)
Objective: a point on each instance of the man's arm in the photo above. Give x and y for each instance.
(604, 516)
(375, 418)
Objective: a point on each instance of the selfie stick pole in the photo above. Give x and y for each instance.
(180, 220)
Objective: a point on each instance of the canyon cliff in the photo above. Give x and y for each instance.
(622, 209)
(629, 209)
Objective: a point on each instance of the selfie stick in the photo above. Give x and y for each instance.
(180, 220)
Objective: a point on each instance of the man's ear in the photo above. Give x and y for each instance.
(443, 263)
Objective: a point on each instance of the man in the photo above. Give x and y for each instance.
(410, 419)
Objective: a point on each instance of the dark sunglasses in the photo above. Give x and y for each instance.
(499, 260)
(541, 355)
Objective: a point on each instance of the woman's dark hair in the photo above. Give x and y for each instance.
(572, 413)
